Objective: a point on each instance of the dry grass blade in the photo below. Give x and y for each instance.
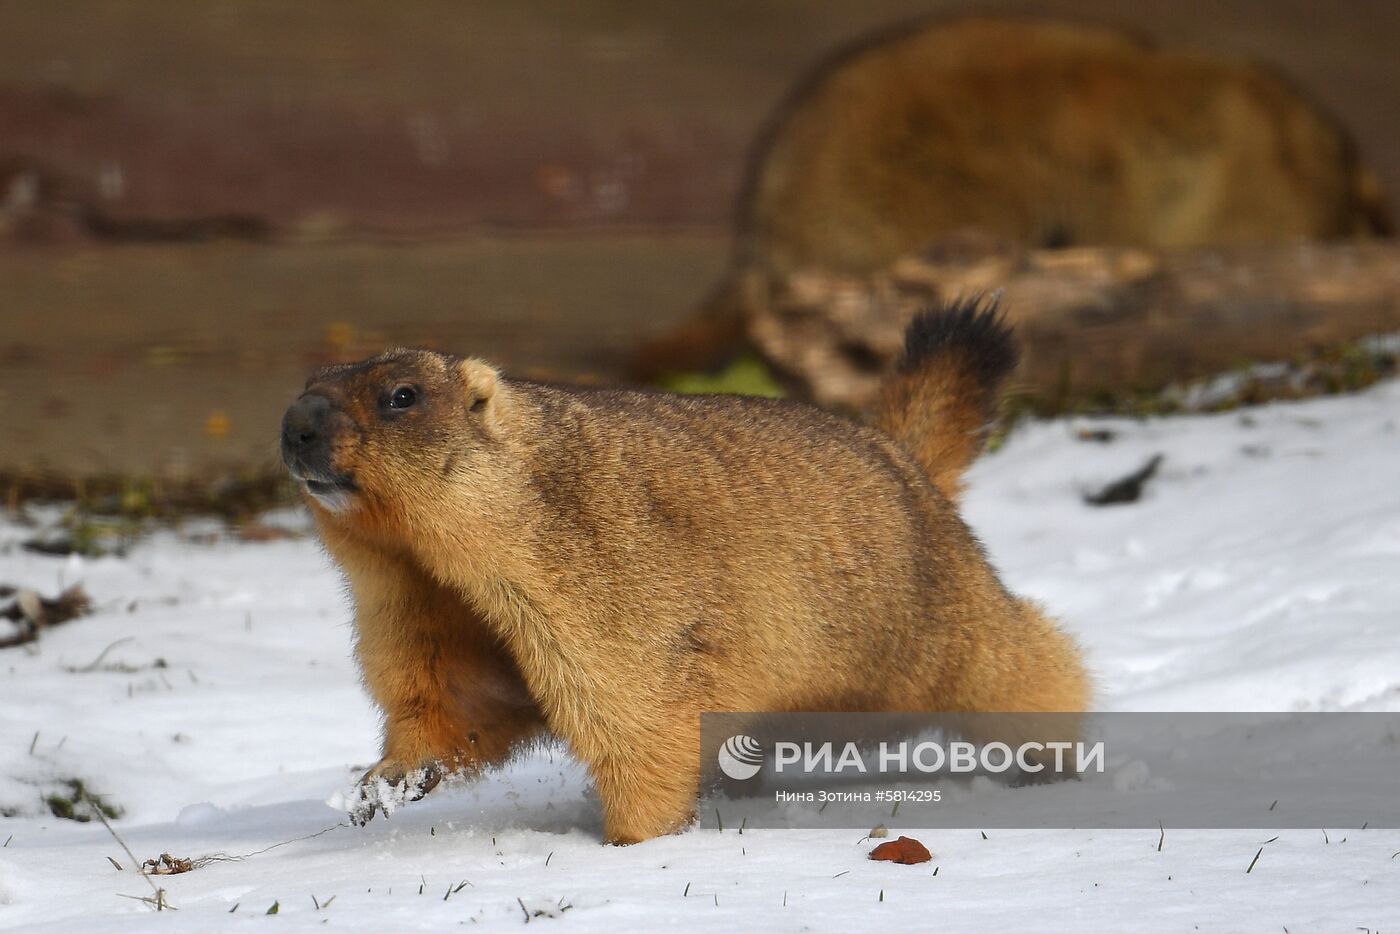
(1254, 860)
(156, 901)
(202, 861)
(93, 665)
(105, 823)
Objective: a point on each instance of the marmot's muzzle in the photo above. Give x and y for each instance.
(306, 448)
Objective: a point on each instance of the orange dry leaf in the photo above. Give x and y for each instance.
(905, 850)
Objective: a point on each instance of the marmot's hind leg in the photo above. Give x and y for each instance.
(1017, 663)
(644, 798)
(1013, 659)
(647, 778)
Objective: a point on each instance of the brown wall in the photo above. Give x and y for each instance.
(338, 115)
(370, 123)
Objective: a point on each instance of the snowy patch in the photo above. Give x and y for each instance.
(1257, 571)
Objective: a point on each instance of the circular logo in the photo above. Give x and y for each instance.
(740, 757)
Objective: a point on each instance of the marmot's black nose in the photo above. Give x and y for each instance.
(304, 432)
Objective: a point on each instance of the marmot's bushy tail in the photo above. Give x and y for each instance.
(943, 397)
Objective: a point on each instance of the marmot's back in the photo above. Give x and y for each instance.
(1044, 133)
(751, 529)
(781, 508)
(685, 482)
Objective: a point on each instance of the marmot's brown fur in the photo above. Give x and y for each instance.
(1045, 133)
(606, 565)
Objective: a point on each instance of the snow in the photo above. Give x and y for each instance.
(1259, 572)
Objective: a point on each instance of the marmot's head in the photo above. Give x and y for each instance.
(376, 433)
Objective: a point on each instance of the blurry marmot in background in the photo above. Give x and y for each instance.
(606, 565)
(1043, 133)
(1031, 131)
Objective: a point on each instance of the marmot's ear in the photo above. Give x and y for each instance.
(480, 383)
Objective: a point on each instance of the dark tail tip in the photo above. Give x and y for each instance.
(973, 329)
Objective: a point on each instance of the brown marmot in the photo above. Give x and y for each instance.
(605, 565)
(1045, 133)
(1030, 131)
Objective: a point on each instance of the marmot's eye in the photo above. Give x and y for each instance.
(403, 397)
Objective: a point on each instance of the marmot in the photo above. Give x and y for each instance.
(606, 565)
(953, 129)
(1045, 133)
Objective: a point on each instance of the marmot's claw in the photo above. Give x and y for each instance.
(362, 812)
(430, 775)
(366, 803)
(383, 788)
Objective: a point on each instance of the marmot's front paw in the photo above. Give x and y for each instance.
(388, 785)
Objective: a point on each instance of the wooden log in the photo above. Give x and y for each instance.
(1094, 322)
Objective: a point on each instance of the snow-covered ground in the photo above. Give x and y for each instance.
(1261, 571)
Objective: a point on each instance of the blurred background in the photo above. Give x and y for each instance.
(199, 202)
